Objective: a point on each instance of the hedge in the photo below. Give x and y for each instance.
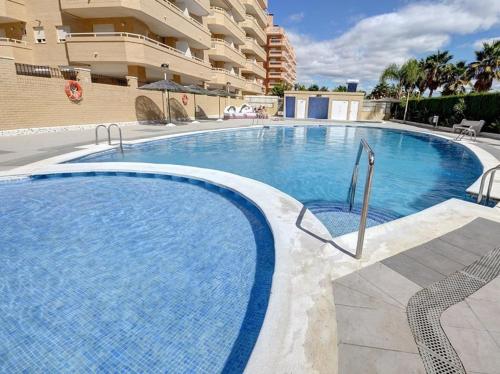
(477, 107)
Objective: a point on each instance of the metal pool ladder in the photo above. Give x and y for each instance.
(480, 195)
(108, 129)
(363, 146)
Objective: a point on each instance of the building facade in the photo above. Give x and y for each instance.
(281, 60)
(211, 43)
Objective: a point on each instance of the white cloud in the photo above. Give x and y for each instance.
(374, 42)
(478, 44)
(296, 17)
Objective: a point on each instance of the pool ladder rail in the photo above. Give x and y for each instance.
(490, 173)
(363, 146)
(108, 129)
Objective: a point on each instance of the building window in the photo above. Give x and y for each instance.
(39, 35)
(62, 31)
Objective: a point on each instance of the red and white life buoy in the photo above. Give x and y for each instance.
(185, 99)
(73, 90)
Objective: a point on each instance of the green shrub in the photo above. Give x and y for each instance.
(452, 109)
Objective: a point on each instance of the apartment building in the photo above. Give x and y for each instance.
(281, 59)
(204, 42)
(238, 38)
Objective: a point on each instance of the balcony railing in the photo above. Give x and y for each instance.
(97, 35)
(14, 41)
(227, 44)
(45, 71)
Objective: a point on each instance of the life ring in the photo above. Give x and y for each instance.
(73, 90)
(185, 99)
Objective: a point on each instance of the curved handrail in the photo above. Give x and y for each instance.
(119, 132)
(363, 146)
(480, 195)
(97, 133)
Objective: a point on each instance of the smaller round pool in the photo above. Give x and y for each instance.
(130, 273)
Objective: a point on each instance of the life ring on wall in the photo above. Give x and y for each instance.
(73, 90)
(185, 99)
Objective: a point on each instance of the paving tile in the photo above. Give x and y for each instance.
(390, 282)
(382, 328)
(413, 270)
(477, 349)
(426, 256)
(461, 316)
(488, 229)
(365, 360)
(487, 312)
(490, 292)
(343, 295)
(476, 243)
(496, 337)
(354, 281)
(452, 252)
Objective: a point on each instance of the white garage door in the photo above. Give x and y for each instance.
(353, 112)
(339, 110)
(301, 109)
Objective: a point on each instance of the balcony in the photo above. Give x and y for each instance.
(238, 9)
(161, 16)
(253, 7)
(275, 31)
(276, 65)
(252, 27)
(253, 87)
(12, 11)
(223, 51)
(252, 47)
(19, 50)
(221, 22)
(222, 76)
(133, 49)
(254, 68)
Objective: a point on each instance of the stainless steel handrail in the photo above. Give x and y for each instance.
(108, 129)
(363, 146)
(119, 132)
(480, 195)
(97, 133)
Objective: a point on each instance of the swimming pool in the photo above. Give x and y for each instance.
(313, 164)
(126, 272)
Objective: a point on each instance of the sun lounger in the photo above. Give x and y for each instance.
(470, 128)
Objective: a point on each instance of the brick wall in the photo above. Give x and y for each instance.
(27, 102)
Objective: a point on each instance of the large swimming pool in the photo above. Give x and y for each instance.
(127, 273)
(314, 165)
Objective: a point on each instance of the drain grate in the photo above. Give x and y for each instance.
(425, 308)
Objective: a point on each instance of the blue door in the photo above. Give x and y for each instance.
(318, 108)
(290, 107)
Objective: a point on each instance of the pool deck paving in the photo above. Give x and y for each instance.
(374, 334)
(401, 259)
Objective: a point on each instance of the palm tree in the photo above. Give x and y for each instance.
(454, 78)
(393, 72)
(383, 90)
(411, 73)
(313, 87)
(486, 68)
(434, 65)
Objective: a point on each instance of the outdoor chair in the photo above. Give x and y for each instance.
(471, 128)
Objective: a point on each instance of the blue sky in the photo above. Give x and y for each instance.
(337, 40)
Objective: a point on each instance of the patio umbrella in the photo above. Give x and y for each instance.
(220, 93)
(165, 86)
(197, 90)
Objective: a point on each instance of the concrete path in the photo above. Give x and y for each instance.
(374, 335)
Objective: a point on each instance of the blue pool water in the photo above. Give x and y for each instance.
(314, 164)
(123, 273)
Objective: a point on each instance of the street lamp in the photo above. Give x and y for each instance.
(165, 68)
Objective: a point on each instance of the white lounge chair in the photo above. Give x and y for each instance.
(471, 128)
